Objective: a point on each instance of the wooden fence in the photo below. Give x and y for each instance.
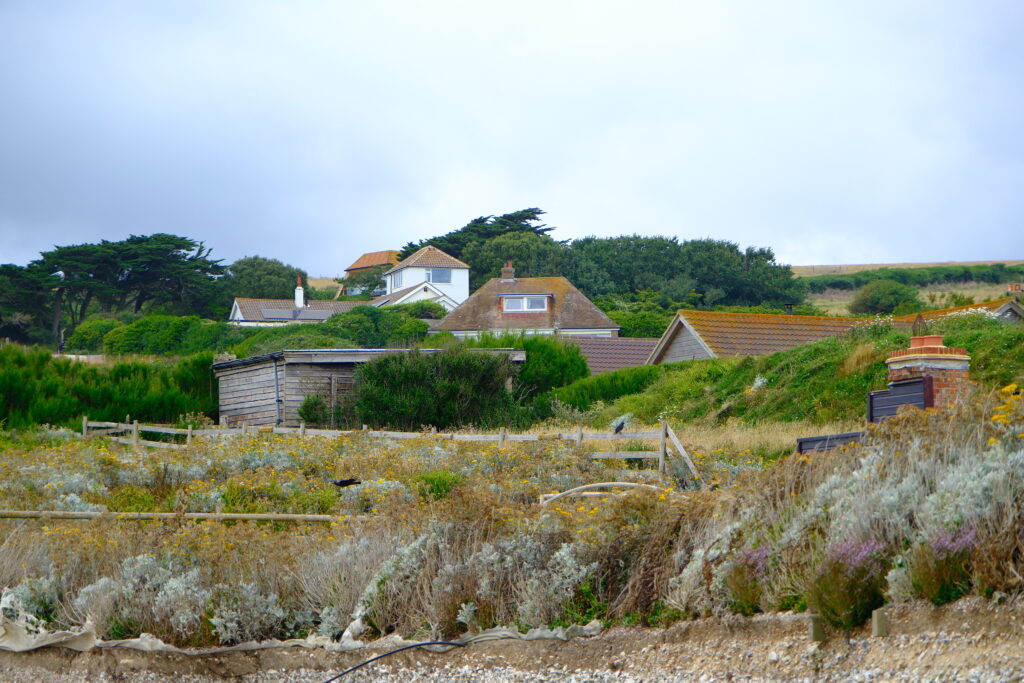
(130, 434)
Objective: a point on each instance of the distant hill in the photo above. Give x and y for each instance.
(806, 271)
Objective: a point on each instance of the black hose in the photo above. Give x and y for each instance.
(381, 656)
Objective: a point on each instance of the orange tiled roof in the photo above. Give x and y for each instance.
(374, 258)
(605, 354)
(759, 334)
(429, 257)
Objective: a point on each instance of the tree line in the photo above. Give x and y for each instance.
(638, 280)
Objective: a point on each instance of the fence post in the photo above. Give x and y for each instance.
(223, 420)
(85, 426)
(302, 429)
(188, 437)
(579, 438)
(135, 433)
(501, 437)
(664, 447)
(433, 429)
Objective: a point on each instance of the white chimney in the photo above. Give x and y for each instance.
(300, 299)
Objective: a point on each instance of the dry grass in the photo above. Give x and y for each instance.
(837, 301)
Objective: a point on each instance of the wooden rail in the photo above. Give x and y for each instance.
(128, 433)
(212, 516)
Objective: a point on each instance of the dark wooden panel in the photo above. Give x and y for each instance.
(911, 392)
(819, 444)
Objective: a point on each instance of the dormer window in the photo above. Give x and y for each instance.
(439, 275)
(524, 304)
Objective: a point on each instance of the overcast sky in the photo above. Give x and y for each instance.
(311, 132)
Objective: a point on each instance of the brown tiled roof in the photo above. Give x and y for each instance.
(430, 257)
(252, 309)
(759, 334)
(568, 309)
(994, 305)
(605, 354)
(374, 258)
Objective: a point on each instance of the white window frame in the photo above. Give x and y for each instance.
(524, 304)
(396, 280)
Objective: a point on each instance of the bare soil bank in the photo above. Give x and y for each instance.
(973, 639)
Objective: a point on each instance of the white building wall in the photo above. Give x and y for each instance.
(457, 289)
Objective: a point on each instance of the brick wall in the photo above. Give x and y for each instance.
(929, 357)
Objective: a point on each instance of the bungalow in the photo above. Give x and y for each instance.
(373, 259)
(269, 389)
(531, 305)
(693, 335)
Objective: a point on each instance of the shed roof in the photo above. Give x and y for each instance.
(606, 354)
(998, 306)
(429, 257)
(568, 308)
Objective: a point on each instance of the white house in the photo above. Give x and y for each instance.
(427, 271)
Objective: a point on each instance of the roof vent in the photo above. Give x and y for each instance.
(508, 273)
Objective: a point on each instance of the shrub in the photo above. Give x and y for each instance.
(168, 334)
(446, 389)
(304, 336)
(848, 584)
(550, 363)
(314, 411)
(88, 336)
(940, 569)
(883, 297)
(438, 484)
(743, 582)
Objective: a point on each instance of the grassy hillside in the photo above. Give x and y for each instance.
(821, 382)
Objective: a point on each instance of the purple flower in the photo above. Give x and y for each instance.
(856, 557)
(954, 542)
(756, 559)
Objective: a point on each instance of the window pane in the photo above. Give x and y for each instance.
(513, 303)
(442, 275)
(537, 303)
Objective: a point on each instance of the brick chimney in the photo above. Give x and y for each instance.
(508, 273)
(929, 357)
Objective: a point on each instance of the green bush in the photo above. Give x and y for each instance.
(88, 337)
(314, 411)
(848, 584)
(172, 335)
(550, 363)
(437, 484)
(446, 389)
(884, 297)
(299, 336)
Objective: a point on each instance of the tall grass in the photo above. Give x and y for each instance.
(36, 388)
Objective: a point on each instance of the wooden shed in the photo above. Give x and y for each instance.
(268, 389)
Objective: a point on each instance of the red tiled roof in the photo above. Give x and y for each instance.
(568, 308)
(758, 334)
(429, 257)
(374, 258)
(605, 354)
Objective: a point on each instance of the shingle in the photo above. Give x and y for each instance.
(606, 354)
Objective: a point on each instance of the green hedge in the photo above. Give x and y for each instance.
(172, 335)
